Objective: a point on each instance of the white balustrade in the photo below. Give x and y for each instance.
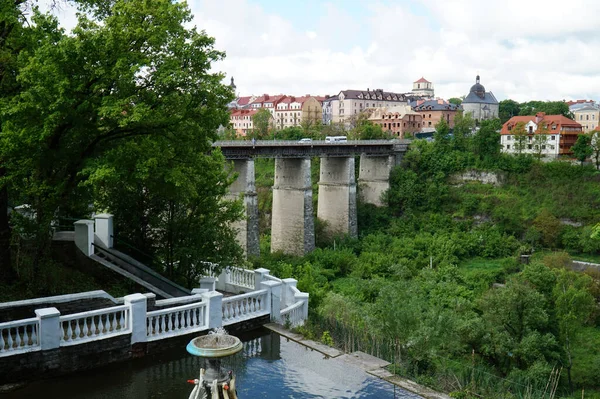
(180, 320)
(246, 306)
(272, 278)
(83, 327)
(19, 336)
(241, 277)
(293, 314)
(252, 348)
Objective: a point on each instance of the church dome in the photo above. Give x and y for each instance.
(478, 88)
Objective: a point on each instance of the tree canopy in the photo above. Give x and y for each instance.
(131, 75)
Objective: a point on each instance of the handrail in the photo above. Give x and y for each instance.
(91, 313)
(145, 270)
(250, 294)
(189, 306)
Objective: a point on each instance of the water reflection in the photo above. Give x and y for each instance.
(267, 367)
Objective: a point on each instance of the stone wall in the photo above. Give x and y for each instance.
(479, 176)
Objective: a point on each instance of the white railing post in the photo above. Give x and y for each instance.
(208, 283)
(274, 292)
(137, 316)
(303, 296)
(259, 277)
(104, 229)
(287, 296)
(84, 236)
(49, 333)
(222, 280)
(214, 308)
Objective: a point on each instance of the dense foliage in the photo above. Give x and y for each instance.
(116, 116)
(434, 283)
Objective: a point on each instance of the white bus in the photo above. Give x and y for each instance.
(336, 139)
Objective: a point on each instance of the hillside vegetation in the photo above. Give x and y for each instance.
(434, 283)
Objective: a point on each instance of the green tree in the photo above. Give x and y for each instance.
(574, 305)
(540, 139)
(462, 132)
(549, 107)
(595, 144)
(368, 131)
(262, 122)
(508, 109)
(442, 133)
(127, 70)
(582, 148)
(486, 142)
(520, 135)
(455, 100)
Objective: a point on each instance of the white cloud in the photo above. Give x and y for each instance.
(534, 49)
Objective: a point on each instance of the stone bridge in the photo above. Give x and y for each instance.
(292, 226)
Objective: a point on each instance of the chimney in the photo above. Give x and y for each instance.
(307, 95)
(419, 102)
(266, 96)
(367, 89)
(293, 99)
(539, 116)
(440, 101)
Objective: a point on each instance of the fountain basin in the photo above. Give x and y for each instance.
(214, 346)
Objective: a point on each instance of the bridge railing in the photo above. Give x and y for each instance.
(94, 325)
(19, 336)
(176, 321)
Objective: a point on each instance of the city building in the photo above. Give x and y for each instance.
(423, 88)
(480, 104)
(587, 114)
(433, 111)
(579, 103)
(291, 111)
(241, 120)
(560, 134)
(399, 120)
(348, 104)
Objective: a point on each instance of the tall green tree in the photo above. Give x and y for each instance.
(128, 70)
(540, 139)
(520, 135)
(507, 109)
(262, 122)
(549, 107)
(582, 148)
(486, 142)
(462, 132)
(595, 144)
(455, 101)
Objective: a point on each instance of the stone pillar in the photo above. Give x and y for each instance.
(244, 187)
(259, 277)
(374, 177)
(208, 283)
(84, 236)
(137, 316)
(274, 292)
(337, 195)
(287, 297)
(215, 308)
(292, 224)
(50, 332)
(104, 229)
(222, 280)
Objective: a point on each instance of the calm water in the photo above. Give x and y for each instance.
(269, 367)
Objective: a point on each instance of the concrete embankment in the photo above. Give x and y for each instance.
(370, 364)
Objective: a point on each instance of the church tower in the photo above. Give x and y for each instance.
(423, 88)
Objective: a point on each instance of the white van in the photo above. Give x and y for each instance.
(336, 139)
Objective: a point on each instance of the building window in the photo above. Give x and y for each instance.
(552, 137)
(529, 146)
(553, 127)
(509, 138)
(429, 123)
(587, 117)
(508, 147)
(430, 116)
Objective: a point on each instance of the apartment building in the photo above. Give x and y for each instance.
(560, 134)
(433, 111)
(398, 120)
(348, 104)
(587, 115)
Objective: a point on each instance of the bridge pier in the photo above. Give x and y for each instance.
(244, 187)
(337, 195)
(374, 177)
(292, 225)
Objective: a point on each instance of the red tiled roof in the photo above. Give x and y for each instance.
(244, 100)
(422, 80)
(558, 120)
(243, 112)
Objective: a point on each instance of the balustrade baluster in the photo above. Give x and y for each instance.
(34, 338)
(163, 324)
(187, 318)
(10, 339)
(102, 324)
(2, 343)
(69, 335)
(110, 318)
(17, 338)
(122, 320)
(93, 328)
(77, 330)
(86, 330)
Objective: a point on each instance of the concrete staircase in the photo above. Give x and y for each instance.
(137, 272)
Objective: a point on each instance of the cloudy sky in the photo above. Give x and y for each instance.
(523, 49)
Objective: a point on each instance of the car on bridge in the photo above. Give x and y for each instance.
(305, 140)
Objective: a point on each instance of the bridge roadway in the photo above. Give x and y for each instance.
(239, 149)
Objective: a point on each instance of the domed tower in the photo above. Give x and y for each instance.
(233, 86)
(479, 103)
(478, 88)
